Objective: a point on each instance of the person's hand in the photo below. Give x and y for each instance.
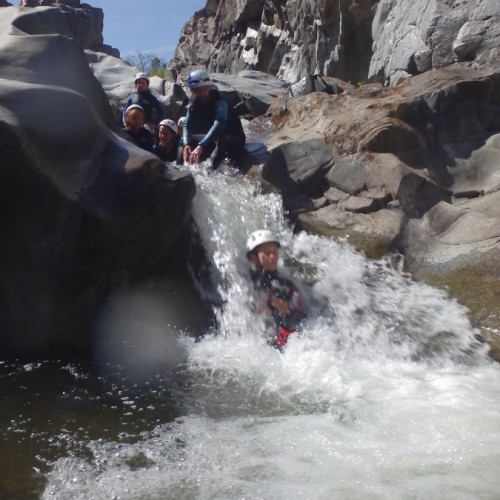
(280, 305)
(195, 155)
(186, 152)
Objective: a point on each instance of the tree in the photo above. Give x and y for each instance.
(148, 62)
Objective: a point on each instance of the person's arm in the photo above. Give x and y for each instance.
(290, 305)
(221, 113)
(279, 305)
(186, 151)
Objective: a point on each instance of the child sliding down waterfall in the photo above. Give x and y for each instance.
(276, 296)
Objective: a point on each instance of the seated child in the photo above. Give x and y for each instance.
(135, 130)
(278, 296)
(168, 147)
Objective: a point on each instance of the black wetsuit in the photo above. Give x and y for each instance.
(216, 127)
(143, 138)
(175, 154)
(271, 284)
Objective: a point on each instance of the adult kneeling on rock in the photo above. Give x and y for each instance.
(213, 129)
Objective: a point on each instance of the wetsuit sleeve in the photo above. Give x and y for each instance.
(185, 131)
(221, 114)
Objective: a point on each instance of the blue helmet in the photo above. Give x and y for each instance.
(199, 78)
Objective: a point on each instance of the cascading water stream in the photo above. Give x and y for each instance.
(385, 394)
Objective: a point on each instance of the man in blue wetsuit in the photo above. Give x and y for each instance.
(213, 129)
(153, 108)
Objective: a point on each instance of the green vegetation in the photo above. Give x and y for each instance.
(148, 62)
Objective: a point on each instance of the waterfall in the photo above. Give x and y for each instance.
(385, 393)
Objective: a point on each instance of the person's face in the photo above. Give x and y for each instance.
(267, 255)
(135, 120)
(166, 135)
(202, 93)
(141, 85)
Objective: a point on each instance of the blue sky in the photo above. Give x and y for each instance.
(145, 25)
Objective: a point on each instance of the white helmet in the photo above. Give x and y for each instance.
(134, 106)
(199, 78)
(141, 76)
(170, 124)
(182, 121)
(258, 238)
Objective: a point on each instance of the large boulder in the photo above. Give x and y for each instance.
(82, 211)
(76, 20)
(252, 91)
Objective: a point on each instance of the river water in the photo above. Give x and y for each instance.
(385, 394)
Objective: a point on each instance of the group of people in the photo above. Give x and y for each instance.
(211, 129)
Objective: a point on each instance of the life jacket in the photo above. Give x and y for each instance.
(202, 116)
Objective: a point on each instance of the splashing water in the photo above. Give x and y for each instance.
(385, 394)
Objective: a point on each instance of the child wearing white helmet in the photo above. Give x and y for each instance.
(134, 130)
(168, 148)
(277, 295)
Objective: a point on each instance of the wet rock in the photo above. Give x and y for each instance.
(82, 211)
(298, 169)
(376, 233)
(423, 150)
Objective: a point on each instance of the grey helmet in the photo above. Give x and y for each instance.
(258, 238)
(199, 78)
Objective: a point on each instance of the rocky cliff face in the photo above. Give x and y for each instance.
(78, 20)
(352, 40)
(411, 37)
(285, 38)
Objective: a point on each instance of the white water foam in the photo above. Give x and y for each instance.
(385, 394)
